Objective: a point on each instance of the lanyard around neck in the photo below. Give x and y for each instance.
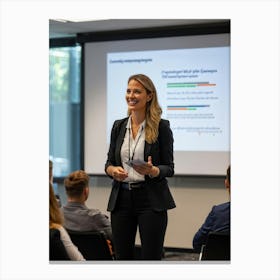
(130, 135)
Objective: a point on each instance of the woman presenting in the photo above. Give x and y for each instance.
(139, 159)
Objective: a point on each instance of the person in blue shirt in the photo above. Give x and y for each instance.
(218, 220)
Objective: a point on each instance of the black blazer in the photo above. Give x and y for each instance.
(162, 157)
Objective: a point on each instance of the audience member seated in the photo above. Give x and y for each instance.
(218, 220)
(55, 222)
(77, 216)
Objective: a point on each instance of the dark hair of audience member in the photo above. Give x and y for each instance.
(228, 174)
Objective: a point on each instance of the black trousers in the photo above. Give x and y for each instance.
(133, 210)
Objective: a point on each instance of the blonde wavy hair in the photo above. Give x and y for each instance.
(55, 218)
(153, 109)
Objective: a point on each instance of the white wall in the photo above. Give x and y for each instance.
(194, 197)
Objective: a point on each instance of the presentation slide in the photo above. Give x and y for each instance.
(192, 87)
(192, 78)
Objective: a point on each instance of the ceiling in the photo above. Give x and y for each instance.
(59, 29)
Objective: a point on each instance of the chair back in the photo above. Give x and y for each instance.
(217, 247)
(92, 244)
(57, 251)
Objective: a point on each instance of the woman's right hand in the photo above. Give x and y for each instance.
(118, 173)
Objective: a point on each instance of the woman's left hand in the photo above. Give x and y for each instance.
(146, 168)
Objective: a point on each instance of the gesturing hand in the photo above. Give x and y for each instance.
(118, 173)
(144, 169)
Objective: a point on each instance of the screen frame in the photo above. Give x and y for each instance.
(163, 32)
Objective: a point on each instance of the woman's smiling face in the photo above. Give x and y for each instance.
(136, 96)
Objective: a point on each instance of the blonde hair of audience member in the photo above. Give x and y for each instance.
(77, 186)
(55, 218)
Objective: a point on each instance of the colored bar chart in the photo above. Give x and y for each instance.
(190, 84)
(187, 107)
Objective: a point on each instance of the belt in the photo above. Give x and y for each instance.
(132, 185)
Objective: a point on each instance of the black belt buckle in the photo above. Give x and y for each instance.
(131, 185)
